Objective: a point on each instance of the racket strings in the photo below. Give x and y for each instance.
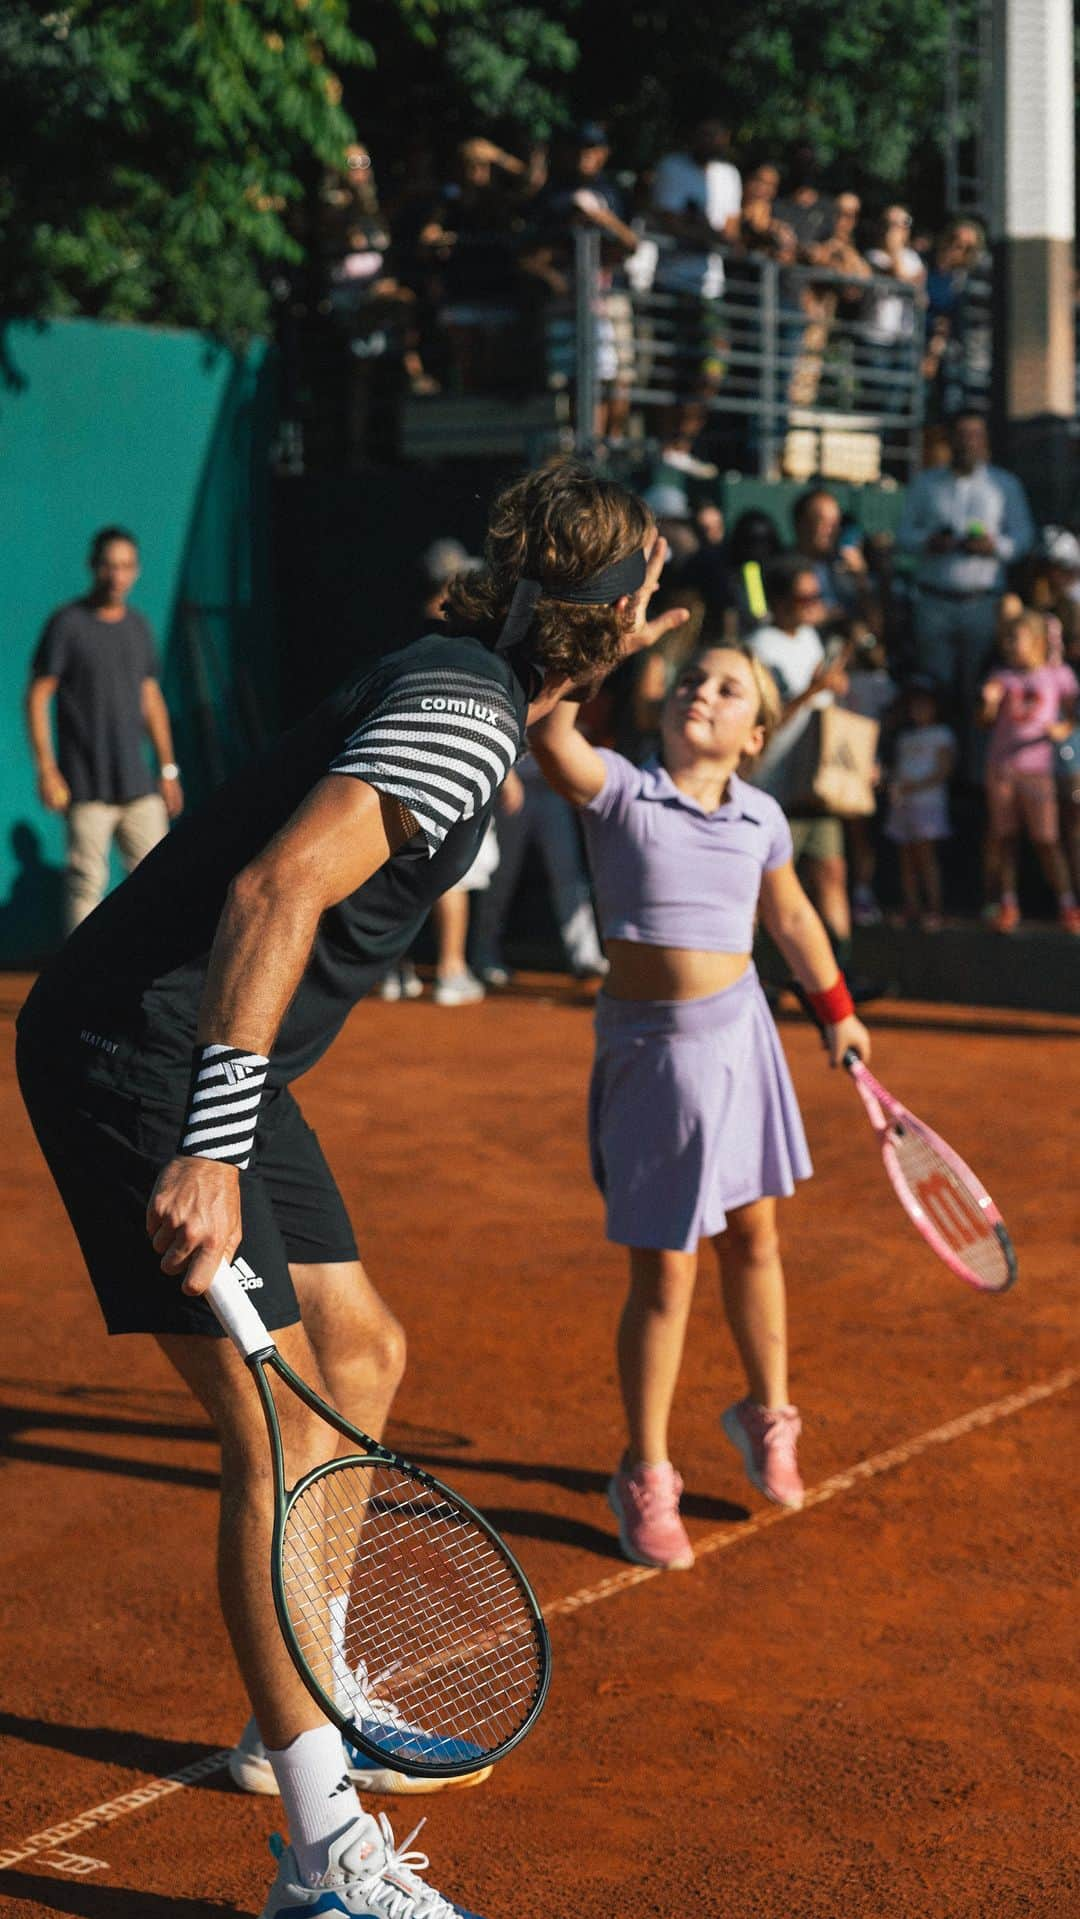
(409, 1615)
(952, 1207)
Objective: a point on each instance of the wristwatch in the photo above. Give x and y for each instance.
(170, 771)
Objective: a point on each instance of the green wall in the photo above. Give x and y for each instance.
(169, 435)
(876, 508)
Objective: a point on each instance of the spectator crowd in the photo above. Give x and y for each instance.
(927, 677)
(929, 704)
(946, 657)
(462, 281)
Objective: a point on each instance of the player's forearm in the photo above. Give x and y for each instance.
(791, 707)
(603, 217)
(556, 730)
(564, 755)
(260, 950)
(804, 943)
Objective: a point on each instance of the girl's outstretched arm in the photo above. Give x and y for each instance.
(792, 922)
(564, 756)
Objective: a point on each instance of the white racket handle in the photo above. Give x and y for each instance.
(234, 1311)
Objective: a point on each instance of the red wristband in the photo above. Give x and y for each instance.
(835, 1004)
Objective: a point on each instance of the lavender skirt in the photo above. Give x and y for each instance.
(691, 1113)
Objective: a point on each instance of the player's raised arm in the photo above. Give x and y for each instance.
(564, 756)
(342, 834)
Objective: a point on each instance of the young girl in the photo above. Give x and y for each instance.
(918, 814)
(1029, 705)
(694, 1127)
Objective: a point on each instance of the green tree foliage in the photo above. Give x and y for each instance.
(449, 68)
(512, 62)
(152, 151)
(864, 79)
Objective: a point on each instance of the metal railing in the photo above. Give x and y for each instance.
(803, 364)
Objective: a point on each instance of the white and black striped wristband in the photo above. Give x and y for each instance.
(223, 1108)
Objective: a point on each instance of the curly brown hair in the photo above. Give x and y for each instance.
(560, 526)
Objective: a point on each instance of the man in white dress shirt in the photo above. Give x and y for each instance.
(966, 523)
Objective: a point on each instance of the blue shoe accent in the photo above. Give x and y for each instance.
(414, 1744)
(327, 1902)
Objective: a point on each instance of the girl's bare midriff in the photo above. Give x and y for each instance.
(669, 972)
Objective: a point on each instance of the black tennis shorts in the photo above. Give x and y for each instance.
(105, 1149)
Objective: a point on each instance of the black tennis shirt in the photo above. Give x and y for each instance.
(437, 725)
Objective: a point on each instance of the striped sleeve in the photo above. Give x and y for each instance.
(440, 742)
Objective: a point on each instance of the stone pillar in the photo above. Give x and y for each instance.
(1032, 230)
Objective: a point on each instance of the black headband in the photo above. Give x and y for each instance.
(620, 578)
(614, 582)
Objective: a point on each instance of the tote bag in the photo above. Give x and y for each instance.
(832, 765)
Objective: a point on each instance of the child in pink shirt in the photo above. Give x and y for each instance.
(1028, 704)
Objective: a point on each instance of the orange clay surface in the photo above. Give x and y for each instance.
(857, 1712)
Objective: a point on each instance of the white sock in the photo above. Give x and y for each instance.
(318, 1795)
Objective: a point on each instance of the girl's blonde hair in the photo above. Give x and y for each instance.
(770, 705)
(1032, 621)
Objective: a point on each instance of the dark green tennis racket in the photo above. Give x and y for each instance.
(409, 1621)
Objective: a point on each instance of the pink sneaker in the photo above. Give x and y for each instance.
(766, 1441)
(646, 1505)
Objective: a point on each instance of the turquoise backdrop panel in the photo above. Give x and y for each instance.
(169, 435)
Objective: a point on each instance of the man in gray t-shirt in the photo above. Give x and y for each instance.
(97, 660)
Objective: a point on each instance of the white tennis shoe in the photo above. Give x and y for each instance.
(457, 989)
(250, 1769)
(367, 1876)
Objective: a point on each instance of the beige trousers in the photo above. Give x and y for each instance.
(92, 825)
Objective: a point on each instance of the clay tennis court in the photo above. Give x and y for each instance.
(862, 1709)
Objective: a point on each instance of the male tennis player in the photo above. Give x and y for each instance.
(156, 1054)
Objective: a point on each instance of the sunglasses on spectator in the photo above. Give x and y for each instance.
(806, 599)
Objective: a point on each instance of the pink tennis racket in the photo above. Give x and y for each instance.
(936, 1188)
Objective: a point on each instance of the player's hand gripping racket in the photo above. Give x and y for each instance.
(410, 1623)
(937, 1190)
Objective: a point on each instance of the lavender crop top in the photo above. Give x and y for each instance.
(667, 873)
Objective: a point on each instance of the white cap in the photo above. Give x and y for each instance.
(667, 500)
(1061, 547)
(446, 557)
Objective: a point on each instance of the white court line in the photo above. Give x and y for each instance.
(116, 1808)
(591, 1595)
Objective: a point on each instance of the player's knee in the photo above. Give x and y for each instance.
(390, 1349)
(663, 1285)
(377, 1344)
(752, 1238)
